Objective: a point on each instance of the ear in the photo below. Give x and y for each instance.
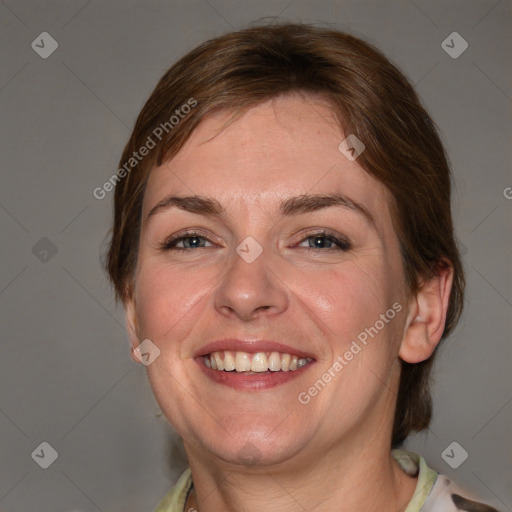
(427, 316)
(132, 325)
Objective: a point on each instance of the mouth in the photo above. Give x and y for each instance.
(254, 365)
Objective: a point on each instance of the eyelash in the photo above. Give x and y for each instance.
(170, 243)
(342, 244)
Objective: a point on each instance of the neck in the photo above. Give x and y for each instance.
(343, 477)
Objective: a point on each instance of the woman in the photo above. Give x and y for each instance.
(283, 246)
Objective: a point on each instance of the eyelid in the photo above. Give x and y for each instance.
(171, 241)
(339, 240)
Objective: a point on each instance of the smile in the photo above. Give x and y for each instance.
(250, 363)
(253, 371)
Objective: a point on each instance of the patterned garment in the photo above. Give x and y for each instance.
(444, 497)
(433, 493)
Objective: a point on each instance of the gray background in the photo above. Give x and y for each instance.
(66, 377)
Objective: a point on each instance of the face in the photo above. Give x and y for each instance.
(262, 267)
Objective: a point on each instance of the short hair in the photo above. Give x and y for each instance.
(371, 99)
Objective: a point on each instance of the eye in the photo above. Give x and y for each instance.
(189, 241)
(323, 240)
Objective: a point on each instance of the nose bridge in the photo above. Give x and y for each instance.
(250, 284)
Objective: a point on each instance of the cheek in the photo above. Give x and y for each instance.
(347, 297)
(362, 312)
(354, 304)
(168, 297)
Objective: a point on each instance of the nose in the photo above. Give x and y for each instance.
(251, 290)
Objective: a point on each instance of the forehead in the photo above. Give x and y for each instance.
(284, 147)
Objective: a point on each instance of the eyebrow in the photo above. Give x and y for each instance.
(296, 205)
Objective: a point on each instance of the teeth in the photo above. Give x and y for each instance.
(258, 362)
(229, 361)
(285, 362)
(301, 362)
(242, 362)
(218, 361)
(274, 362)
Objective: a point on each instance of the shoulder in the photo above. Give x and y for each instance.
(435, 492)
(448, 497)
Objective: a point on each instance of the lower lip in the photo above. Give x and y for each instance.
(253, 382)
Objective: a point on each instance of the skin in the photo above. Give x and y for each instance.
(335, 449)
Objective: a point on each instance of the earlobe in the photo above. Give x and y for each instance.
(427, 317)
(132, 326)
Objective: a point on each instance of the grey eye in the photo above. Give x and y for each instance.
(320, 242)
(193, 241)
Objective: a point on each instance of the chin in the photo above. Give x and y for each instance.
(256, 448)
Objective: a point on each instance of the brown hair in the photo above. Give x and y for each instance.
(371, 98)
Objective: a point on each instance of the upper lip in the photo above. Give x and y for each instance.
(250, 346)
